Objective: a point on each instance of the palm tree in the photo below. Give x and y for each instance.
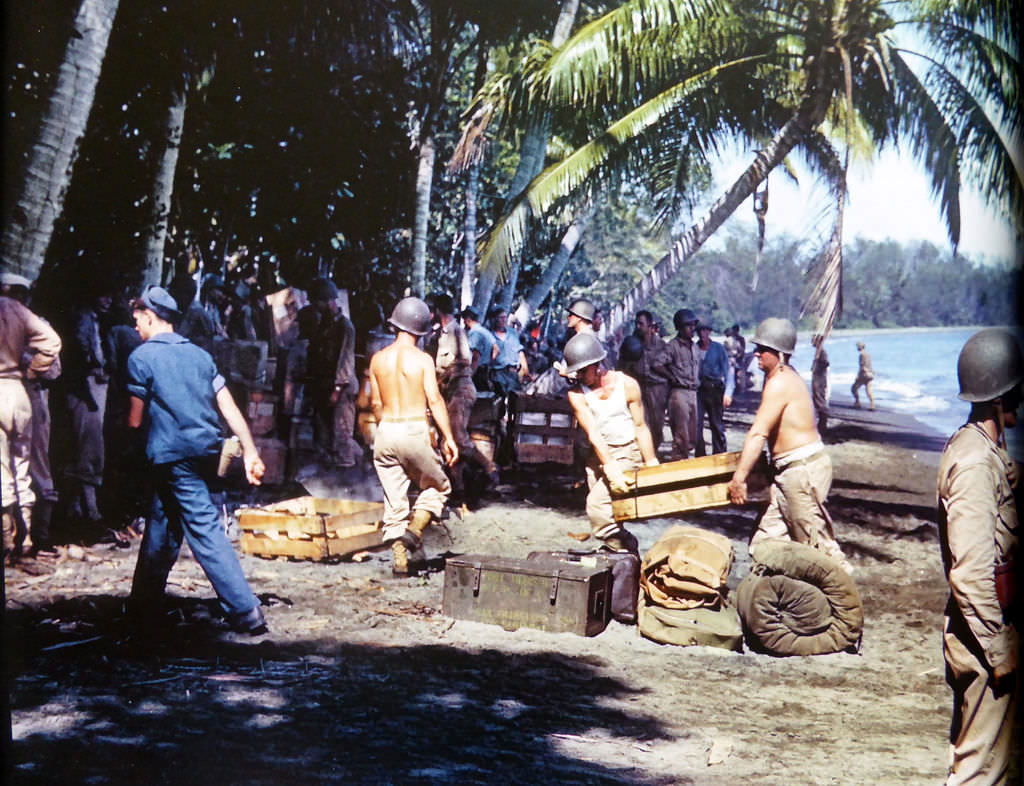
(28, 227)
(657, 86)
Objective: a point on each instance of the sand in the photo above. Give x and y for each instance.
(363, 680)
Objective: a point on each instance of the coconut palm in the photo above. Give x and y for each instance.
(29, 225)
(657, 86)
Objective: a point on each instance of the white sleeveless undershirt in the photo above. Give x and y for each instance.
(612, 414)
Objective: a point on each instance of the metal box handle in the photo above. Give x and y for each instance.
(554, 588)
(477, 570)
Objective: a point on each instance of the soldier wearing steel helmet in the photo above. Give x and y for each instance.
(802, 469)
(978, 533)
(403, 386)
(608, 407)
(581, 316)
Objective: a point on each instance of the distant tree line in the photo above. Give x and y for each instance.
(885, 283)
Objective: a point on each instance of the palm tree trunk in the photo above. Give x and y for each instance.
(469, 236)
(424, 182)
(808, 116)
(570, 240)
(531, 162)
(163, 189)
(29, 226)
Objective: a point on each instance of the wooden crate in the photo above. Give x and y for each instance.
(679, 486)
(542, 429)
(312, 528)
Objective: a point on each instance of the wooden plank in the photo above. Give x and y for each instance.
(282, 547)
(688, 469)
(352, 539)
(686, 485)
(362, 518)
(254, 519)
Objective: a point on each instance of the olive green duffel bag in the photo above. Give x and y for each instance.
(691, 627)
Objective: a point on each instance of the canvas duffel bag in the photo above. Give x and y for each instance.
(687, 568)
(625, 568)
(691, 627)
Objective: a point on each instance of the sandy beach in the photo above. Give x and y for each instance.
(363, 680)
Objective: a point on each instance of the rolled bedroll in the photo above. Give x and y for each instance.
(798, 601)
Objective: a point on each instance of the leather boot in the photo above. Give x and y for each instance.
(10, 529)
(41, 517)
(622, 541)
(400, 558)
(92, 510)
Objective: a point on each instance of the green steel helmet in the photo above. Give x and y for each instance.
(632, 349)
(582, 308)
(989, 366)
(582, 350)
(776, 333)
(411, 315)
(683, 317)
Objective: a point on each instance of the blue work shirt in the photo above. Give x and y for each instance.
(716, 366)
(508, 350)
(178, 382)
(481, 340)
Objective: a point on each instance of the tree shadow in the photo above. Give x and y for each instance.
(198, 706)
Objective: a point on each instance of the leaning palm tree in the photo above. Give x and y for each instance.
(28, 225)
(657, 86)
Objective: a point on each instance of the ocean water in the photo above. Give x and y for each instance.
(915, 372)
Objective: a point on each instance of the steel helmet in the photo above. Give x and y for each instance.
(582, 308)
(582, 350)
(989, 365)
(776, 333)
(632, 349)
(411, 315)
(682, 317)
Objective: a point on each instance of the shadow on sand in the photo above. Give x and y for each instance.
(198, 706)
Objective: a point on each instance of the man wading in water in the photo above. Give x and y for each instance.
(802, 468)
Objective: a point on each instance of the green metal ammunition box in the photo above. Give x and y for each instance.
(521, 593)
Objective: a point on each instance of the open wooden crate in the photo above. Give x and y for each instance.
(680, 486)
(313, 528)
(542, 429)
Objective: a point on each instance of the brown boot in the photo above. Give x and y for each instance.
(420, 521)
(400, 558)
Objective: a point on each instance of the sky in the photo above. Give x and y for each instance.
(888, 198)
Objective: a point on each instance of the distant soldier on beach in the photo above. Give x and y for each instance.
(864, 376)
(403, 387)
(978, 533)
(819, 382)
(802, 469)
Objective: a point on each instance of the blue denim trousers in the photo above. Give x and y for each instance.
(182, 508)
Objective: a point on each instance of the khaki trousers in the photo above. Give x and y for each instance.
(682, 416)
(459, 398)
(655, 399)
(796, 510)
(402, 454)
(981, 733)
(599, 499)
(15, 444)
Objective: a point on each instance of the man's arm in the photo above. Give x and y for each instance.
(43, 342)
(524, 367)
(439, 411)
(773, 401)
(254, 467)
(136, 408)
(376, 402)
(634, 401)
(970, 517)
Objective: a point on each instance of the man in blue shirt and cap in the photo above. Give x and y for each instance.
(177, 393)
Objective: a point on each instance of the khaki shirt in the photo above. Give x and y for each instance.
(652, 367)
(977, 530)
(22, 332)
(682, 365)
